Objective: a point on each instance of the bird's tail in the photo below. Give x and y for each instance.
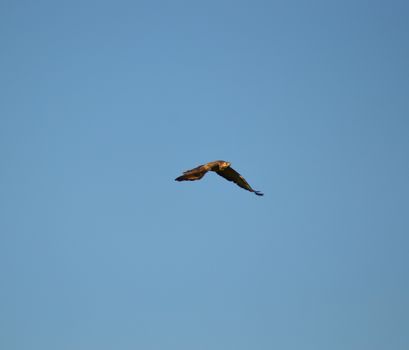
(181, 178)
(188, 176)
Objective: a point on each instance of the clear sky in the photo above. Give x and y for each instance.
(104, 103)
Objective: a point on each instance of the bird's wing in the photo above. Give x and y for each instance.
(232, 175)
(193, 174)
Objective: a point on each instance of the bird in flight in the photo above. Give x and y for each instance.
(220, 167)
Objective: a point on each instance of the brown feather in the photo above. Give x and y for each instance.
(193, 174)
(232, 175)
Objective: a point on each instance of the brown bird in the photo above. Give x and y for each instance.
(220, 167)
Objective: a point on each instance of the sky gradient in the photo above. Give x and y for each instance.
(104, 103)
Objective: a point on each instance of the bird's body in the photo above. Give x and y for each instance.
(220, 167)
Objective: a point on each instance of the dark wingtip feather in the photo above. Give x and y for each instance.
(258, 193)
(180, 178)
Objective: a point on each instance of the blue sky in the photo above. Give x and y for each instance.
(104, 103)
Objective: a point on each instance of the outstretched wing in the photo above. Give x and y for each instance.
(193, 174)
(232, 175)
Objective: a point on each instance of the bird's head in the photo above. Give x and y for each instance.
(224, 165)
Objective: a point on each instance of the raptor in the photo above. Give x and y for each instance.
(220, 167)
